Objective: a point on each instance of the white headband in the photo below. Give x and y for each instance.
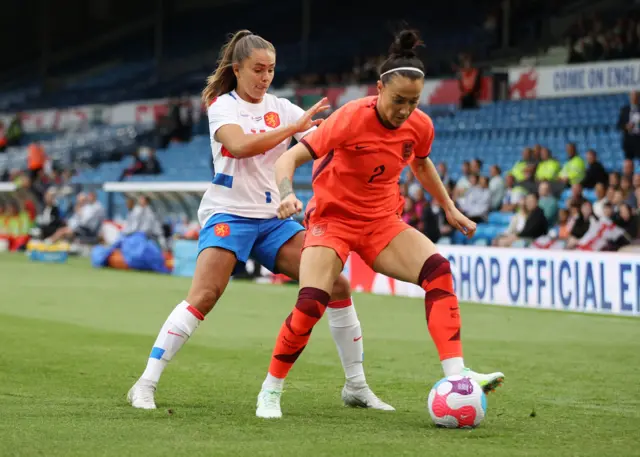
(403, 69)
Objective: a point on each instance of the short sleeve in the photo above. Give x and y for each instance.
(223, 111)
(294, 113)
(423, 148)
(331, 133)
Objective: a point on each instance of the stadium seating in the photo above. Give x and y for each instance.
(496, 133)
(95, 145)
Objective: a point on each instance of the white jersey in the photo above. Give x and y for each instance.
(246, 187)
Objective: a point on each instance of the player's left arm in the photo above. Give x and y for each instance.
(426, 173)
(286, 166)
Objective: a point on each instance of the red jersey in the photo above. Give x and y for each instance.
(361, 160)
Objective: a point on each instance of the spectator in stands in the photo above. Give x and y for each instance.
(141, 218)
(563, 226)
(497, 187)
(529, 181)
(413, 186)
(601, 200)
(627, 169)
(573, 170)
(614, 179)
(463, 182)
(444, 173)
(607, 211)
(557, 236)
(576, 197)
(547, 202)
(516, 224)
(512, 196)
(145, 163)
(470, 83)
(535, 225)
(86, 221)
(186, 119)
(441, 223)
(476, 202)
(419, 201)
(518, 170)
(629, 125)
(585, 219)
(618, 199)
(595, 173)
(14, 132)
(548, 168)
(536, 153)
(626, 220)
(475, 167)
(40, 183)
(36, 159)
(430, 223)
(409, 215)
(627, 192)
(50, 220)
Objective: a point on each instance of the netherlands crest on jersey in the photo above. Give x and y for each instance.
(272, 119)
(407, 149)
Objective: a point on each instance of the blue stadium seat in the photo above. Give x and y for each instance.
(499, 218)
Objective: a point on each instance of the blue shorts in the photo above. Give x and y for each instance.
(260, 239)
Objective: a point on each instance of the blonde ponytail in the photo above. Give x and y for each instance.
(236, 49)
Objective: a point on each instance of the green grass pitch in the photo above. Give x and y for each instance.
(74, 339)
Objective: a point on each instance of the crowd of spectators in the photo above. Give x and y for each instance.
(574, 205)
(48, 206)
(597, 39)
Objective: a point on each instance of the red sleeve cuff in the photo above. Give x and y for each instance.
(311, 151)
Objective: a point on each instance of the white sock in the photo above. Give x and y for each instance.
(453, 366)
(273, 383)
(177, 329)
(347, 333)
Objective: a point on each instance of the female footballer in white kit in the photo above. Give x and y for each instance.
(249, 131)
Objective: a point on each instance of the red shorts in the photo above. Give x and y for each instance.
(367, 239)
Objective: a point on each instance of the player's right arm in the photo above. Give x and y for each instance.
(286, 166)
(331, 134)
(242, 145)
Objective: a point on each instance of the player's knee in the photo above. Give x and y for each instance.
(205, 298)
(310, 307)
(341, 289)
(436, 267)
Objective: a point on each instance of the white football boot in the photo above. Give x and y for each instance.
(268, 406)
(141, 395)
(488, 382)
(363, 397)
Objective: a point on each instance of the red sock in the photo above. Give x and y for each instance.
(296, 330)
(441, 306)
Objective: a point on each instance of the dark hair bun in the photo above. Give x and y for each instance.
(405, 43)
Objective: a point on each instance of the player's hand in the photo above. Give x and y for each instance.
(289, 206)
(307, 121)
(459, 221)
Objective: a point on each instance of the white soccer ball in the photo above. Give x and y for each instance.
(457, 402)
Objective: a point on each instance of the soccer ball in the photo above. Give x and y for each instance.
(457, 402)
